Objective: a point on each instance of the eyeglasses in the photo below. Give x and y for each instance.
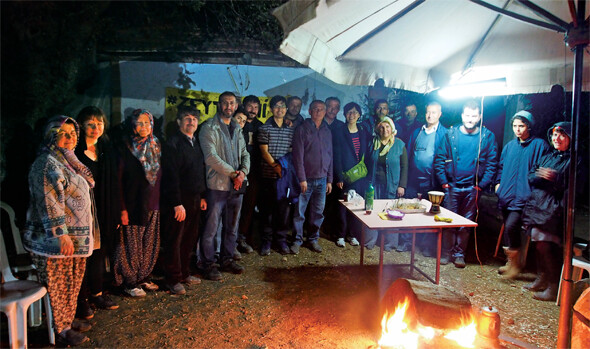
(280, 106)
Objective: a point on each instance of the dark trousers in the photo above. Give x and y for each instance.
(512, 228)
(275, 213)
(333, 225)
(179, 239)
(423, 186)
(92, 283)
(247, 212)
(463, 201)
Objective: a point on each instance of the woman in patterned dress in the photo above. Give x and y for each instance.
(59, 230)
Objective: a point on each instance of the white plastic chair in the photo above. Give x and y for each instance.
(15, 298)
(22, 262)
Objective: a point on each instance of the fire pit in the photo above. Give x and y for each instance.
(422, 315)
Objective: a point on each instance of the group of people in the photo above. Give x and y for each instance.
(124, 198)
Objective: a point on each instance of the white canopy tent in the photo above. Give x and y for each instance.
(424, 45)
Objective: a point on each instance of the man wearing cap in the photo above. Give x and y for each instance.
(464, 163)
(512, 186)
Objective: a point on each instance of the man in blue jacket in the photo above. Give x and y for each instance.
(464, 163)
(512, 185)
(422, 145)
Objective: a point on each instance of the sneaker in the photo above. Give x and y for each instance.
(459, 262)
(232, 267)
(83, 310)
(444, 260)
(353, 241)
(135, 292)
(265, 250)
(315, 247)
(177, 289)
(237, 255)
(149, 286)
(428, 252)
(340, 242)
(212, 274)
(191, 280)
(72, 338)
(284, 249)
(80, 325)
(244, 247)
(295, 249)
(103, 302)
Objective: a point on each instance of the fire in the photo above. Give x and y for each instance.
(396, 332)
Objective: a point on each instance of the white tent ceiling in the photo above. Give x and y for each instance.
(424, 45)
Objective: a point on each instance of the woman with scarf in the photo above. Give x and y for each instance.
(136, 250)
(543, 213)
(351, 144)
(59, 230)
(95, 152)
(388, 172)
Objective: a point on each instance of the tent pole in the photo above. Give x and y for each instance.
(565, 312)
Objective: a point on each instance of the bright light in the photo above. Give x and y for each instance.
(495, 87)
(464, 336)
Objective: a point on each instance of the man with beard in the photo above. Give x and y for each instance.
(293, 117)
(227, 163)
(251, 104)
(464, 163)
(380, 111)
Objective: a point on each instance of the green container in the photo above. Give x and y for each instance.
(369, 197)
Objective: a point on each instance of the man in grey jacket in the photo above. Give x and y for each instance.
(227, 163)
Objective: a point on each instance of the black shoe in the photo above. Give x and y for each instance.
(244, 247)
(284, 249)
(428, 252)
(232, 267)
(237, 255)
(81, 325)
(403, 248)
(212, 273)
(72, 337)
(459, 262)
(103, 302)
(265, 250)
(83, 310)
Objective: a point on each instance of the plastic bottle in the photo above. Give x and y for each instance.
(369, 196)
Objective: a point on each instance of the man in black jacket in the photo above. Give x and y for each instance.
(182, 199)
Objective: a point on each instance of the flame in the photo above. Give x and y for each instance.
(397, 334)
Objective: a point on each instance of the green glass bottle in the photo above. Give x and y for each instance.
(369, 196)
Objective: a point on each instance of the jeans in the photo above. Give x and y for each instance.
(463, 201)
(223, 207)
(315, 196)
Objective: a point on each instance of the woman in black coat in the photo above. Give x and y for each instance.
(543, 214)
(94, 150)
(351, 144)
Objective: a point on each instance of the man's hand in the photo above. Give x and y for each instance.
(66, 246)
(203, 204)
(239, 179)
(278, 169)
(303, 186)
(446, 186)
(288, 122)
(124, 217)
(546, 173)
(179, 213)
(340, 185)
(328, 188)
(401, 192)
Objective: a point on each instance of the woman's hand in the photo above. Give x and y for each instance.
(340, 185)
(179, 213)
(66, 246)
(401, 192)
(124, 217)
(546, 173)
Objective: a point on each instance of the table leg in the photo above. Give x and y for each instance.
(412, 253)
(381, 256)
(363, 244)
(438, 253)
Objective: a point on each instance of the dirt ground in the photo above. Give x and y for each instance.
(309, 301)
